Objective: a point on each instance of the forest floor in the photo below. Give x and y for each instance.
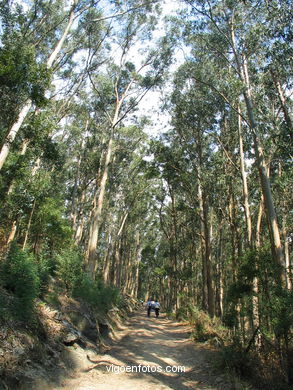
(153, 343)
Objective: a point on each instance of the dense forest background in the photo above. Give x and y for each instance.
(199, 214)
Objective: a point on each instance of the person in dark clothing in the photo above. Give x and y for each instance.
(157, 308)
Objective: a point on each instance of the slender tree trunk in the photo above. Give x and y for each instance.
(282, 99)
(29, 225)
(287, 257)
(90, 259)
(255, 298)
(202, 241)
(208, 292)
(107, 259)
(138, 252)
(118, 263)
(76, 183)
(258, 223)
(174, 249)
(13, 132)
(244, 183)
(265, 182)
(264, 179)
(219, 288)
(79, 229)
(232, 224)
(208, 260)
(12, 233)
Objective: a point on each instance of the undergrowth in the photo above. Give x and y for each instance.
(261, 365)
(23, 278)
(19, 276)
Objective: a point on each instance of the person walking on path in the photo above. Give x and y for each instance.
(157, 308)
(150, 306)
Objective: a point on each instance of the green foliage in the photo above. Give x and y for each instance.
(19, 275)
(69, 267)
(45, 267)
(205, 328)
(264, 369)
(50, 221)
(21, 77)
(279, 310)
(101, 296)
(234, 358)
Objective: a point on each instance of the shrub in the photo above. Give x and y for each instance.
(182, 314)
(45, 268)
(206, 328)
(69, 268)
(97, 293)
(19, 275)
(234, 358)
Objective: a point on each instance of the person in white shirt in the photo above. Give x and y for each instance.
(150, 306)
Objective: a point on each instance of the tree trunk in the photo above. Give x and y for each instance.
(29, 225)
(90, 259)
(12, 233)
(233, 229)
(255, 298)
(277, 249)
(258, 223)
(76, 183)
(118, 263)
(107, 259)
(265, 182)
(219, 288)
(211, 301)
(282, 99)
(202, 245)
(244, 183)
(80, 220)
(287, 256)
(208, 292)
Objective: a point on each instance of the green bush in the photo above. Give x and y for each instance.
(45, 269)
(19, 275)
(182, 314)
(206, 328)
(97, 293)
(69, 268)
(234, 358)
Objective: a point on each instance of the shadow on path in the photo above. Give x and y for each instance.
(151, 349)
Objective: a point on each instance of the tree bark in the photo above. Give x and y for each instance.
(208, 292)
(76, 182)
(202, 245)
(29, 225)
(90, 258)
(277, 249)
(282, 99)
(244, 183)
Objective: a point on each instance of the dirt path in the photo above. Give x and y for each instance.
(151, 343)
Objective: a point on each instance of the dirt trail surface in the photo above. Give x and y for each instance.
(156, 345)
